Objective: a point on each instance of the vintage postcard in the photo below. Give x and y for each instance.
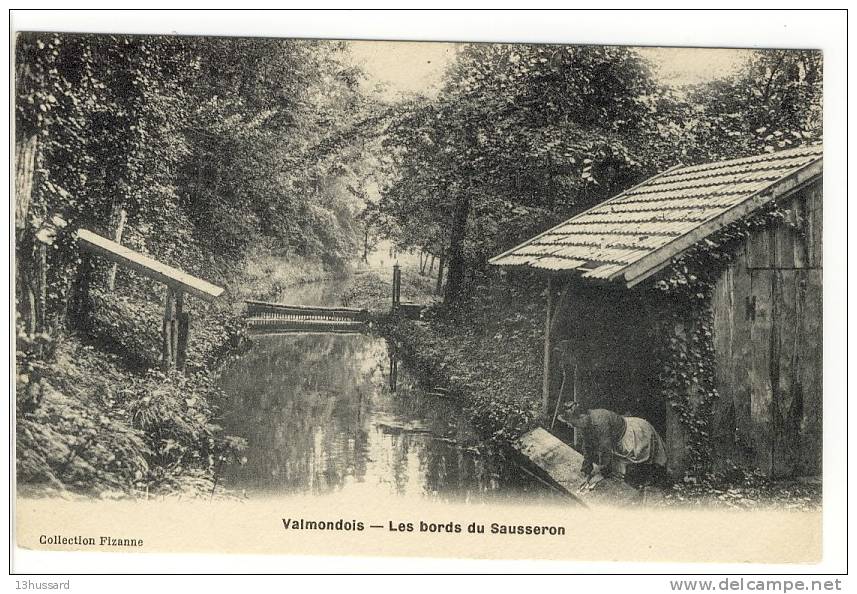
(470, 300)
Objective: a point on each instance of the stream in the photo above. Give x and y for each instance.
(320, 415)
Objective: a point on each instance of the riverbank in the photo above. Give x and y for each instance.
(372, 289)
(97, 417)
(264, 275)
(488, 353)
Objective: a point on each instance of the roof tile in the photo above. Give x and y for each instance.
(602, 242)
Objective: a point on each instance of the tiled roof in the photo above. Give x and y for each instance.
(632, 235)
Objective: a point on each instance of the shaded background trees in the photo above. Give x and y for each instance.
(209, 148)
(202, 153)
(212, 148)
(519, 137)
(522, 137)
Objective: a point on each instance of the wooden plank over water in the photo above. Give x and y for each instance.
(285, 325)
(149, 267)
(266, 312)
(307, 308)
(561, 464)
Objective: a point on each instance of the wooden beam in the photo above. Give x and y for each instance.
(657, 260)
(117, 237)
(147, 266)
(546, 379)
(307, 308)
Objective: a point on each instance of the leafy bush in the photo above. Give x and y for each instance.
(127, 324)
(62, 439)
(84, 424)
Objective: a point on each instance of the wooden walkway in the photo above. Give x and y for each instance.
(279, 317)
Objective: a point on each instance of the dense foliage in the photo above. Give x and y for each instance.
(522, 137)
(211, 146)
(212, 155)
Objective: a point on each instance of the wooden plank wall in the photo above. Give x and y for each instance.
(768, 341)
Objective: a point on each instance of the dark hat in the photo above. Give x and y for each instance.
(573, 409)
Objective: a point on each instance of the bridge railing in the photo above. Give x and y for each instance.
(264, 310)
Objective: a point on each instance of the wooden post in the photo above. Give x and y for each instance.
(178, 306)
(117, 237)
(184, 335)
(397, 279)
(576, 440)
(174, 340)
(393, 298)
(182, 332)
(546, 378)
(394, 369)
(398, 286)
(167, 330)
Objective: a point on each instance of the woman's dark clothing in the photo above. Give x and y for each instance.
(605, 430)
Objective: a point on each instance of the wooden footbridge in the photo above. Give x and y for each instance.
(264, 316)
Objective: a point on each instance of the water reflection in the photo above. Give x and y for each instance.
(394, 367)
(319, 415)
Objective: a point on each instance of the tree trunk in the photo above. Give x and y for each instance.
(41, 286)
(457, 265)
(366, 245)
(27, 253)
(438, 289)
(25, 159)
(431, 264)
(79, 308)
